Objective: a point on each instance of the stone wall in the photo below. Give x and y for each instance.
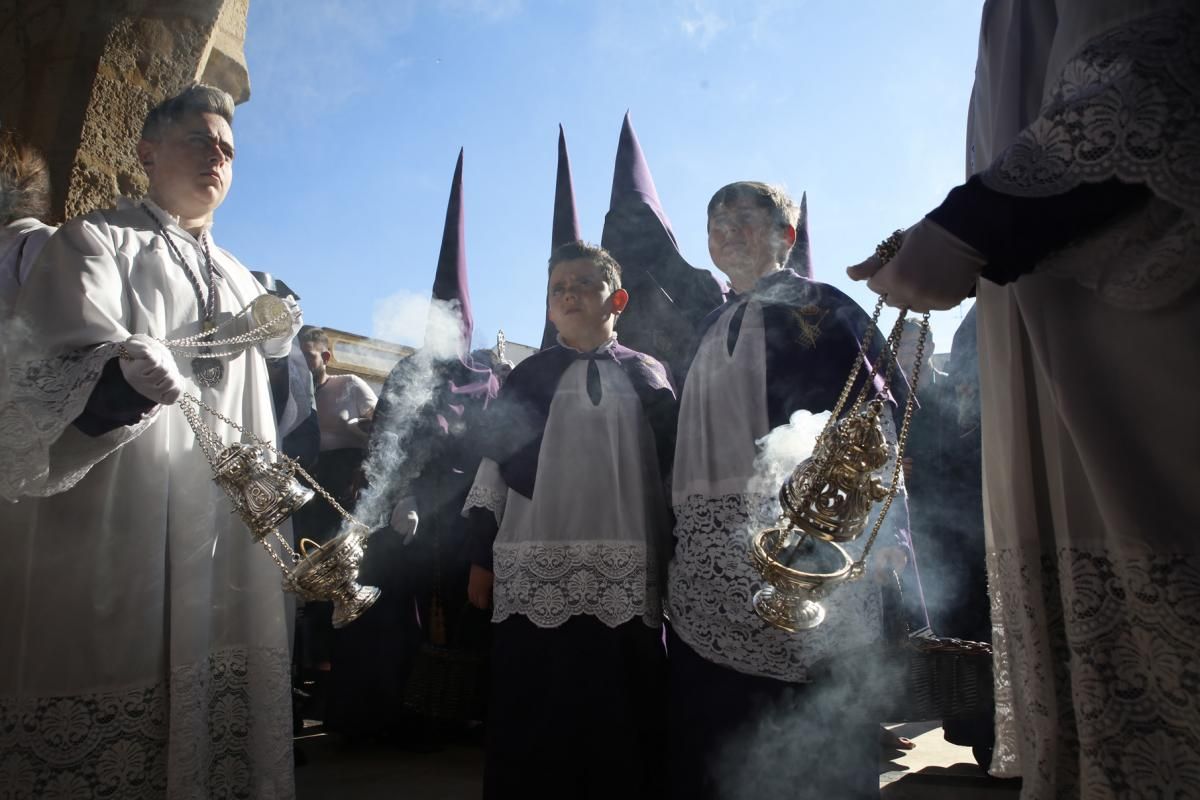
(80, 75)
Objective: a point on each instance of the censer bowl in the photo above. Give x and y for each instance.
(798, 571)
(264, 492)
(330, 572)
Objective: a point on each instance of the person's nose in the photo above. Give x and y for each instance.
(216, 156)
(726, 233)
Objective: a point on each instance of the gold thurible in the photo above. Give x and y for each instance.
(829, 497)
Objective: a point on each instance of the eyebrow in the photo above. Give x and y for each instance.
(207, 134)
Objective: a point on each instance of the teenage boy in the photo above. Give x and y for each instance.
(160, 666)
(743, 706)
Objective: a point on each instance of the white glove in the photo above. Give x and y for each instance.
(934, 270)
(282, 345)
(150, 369)
(404, 519)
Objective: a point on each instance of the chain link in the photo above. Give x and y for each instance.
(820, 454)
(200, 340)
(188, 404)
(888, 362)
(901, 442)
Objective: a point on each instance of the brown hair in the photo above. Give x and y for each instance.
(311, 334)
(783, 209)
(24, 180)
(610, 270)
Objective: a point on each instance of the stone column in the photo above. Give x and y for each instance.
(79, 77)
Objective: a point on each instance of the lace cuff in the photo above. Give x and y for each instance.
(550, 583)
(485, 497)
(1123, 107)
(489, 491)
(41, 454)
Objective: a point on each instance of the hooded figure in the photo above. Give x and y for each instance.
(419, 467)
(565, 227)
(669, 298)
(800, 259)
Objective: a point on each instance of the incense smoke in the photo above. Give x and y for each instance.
(414, 319)
(783, 448)
(401, 439)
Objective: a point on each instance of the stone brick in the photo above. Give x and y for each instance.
(80, 77)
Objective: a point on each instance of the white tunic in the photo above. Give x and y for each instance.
(143, 632)
(1090, 458)
(586, 542)
(720, 504)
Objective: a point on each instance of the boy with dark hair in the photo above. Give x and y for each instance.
(568, 518)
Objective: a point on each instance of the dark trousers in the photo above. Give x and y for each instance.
(734, 736)
(576, 711)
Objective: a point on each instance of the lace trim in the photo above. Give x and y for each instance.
(220, 728)
(1141, 262)
(1097, 673)
(1124, 107)
(712, 583)
(40, 400)
(550, 583)
(493, 500)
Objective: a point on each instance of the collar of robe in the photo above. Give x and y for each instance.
(522, 409)
(605, 350)
(165, 217)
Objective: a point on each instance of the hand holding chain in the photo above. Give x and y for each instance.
(265, 492)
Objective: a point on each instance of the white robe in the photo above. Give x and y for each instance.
(144, 635)
(20, 243)
(1091, 445)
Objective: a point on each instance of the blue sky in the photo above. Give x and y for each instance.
(358, 109)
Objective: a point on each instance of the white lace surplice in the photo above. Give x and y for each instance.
(143, 632)
(1121, 107)
(711, 581)
(1090, 466)
(586, 542)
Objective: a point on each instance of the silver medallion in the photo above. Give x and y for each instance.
(207, 370)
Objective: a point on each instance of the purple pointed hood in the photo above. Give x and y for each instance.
(566, 220)
(565, 226)
(668, 297)
(632, 182)
(800, 259)
(450, 281)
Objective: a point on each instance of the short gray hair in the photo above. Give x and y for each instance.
(199, 97)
